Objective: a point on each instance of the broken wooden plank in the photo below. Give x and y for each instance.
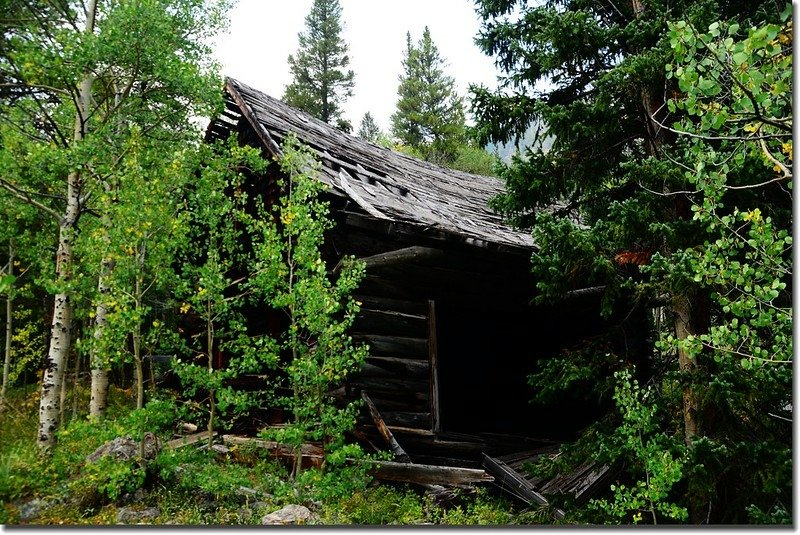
(426, 474)
(188, 440)
(512, 482)
(387, 435)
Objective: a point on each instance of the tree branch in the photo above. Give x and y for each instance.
(26, 197)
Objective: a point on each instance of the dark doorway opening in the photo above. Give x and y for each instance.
(485, 358)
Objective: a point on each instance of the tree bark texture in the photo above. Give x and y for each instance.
(61, 328)
(99, 389)
(9, 328)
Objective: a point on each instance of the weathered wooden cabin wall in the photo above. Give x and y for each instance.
(452, 333)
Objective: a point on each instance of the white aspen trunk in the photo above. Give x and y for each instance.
(9, 328)
(61, 328)
(60, 334)
(99, 389)
(98, 402)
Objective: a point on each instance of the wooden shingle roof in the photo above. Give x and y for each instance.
(387, 185)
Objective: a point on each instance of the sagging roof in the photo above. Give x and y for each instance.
(387, 185)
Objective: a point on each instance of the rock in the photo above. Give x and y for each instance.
(220, 449)
(291, 514)
(32, 509)
(135, 497)
(126, 515)
(125, 448)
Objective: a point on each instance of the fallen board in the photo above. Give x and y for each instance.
(512, 482)
(426, 474)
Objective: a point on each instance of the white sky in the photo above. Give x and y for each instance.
(263, 33)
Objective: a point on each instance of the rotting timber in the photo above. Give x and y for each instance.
(445, 304)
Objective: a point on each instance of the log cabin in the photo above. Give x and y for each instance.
(446, 301)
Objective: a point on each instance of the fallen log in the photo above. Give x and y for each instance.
(428, 474)
(312, 455)
(403, 472)
(188, 440)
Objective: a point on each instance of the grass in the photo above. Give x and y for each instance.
(191, 487)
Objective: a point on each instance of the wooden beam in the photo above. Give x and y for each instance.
(188, 440)
(404, 255)
(395, 346)
(259, 129)
(512, 482)
(398, 256)
(275, 447)
(387, 435)
(426, 474)
(392, 367)
(433, 358)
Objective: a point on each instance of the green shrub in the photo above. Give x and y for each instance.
(380, 505)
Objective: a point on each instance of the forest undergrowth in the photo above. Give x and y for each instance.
(192, 486)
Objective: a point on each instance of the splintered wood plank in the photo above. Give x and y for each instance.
(425, 474)
(384, 431)
(513, 483)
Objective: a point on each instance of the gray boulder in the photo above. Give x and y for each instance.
(291, 514)
(125, 448)
(126, 515)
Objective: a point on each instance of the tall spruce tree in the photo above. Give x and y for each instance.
(369, 129)
(430, 114)
(321, 80)
(593, 73)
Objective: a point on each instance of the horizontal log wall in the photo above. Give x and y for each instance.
(396, 374)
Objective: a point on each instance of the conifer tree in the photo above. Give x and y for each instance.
(430, 114)
(368, 129)
(617, 166)
(321, 80)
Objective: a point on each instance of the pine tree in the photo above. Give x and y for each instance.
(368, 129)
(430, 114)
(613, 165)
(321, 80)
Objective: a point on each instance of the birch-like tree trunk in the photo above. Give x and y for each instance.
(98, 402)
(61, 328)
(99, 388)
(9, 328)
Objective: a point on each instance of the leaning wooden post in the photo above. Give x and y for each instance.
(398, 452)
